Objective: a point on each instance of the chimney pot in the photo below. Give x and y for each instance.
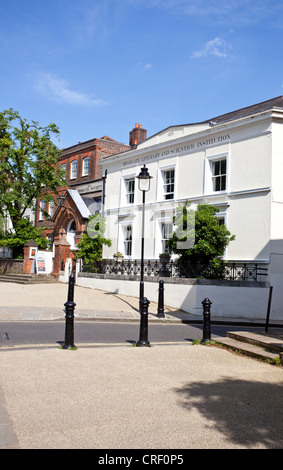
(137, 135)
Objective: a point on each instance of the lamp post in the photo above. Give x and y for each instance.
(144, 186)
(62, 200)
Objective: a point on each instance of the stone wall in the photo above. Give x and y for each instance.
(11, 266)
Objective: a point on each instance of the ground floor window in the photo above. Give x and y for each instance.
(128, 239)
(166, 232)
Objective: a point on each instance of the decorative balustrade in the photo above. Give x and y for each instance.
(155, 268)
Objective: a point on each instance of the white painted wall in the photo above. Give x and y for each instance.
(227, 301)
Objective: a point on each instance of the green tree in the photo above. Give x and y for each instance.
(207, 241)
(91, 244)
(28, 161)
(24, 232)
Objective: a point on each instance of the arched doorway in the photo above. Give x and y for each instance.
(71, 233)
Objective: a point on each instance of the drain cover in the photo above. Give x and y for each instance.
(3, 336)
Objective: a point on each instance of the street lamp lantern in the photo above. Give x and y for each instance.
(144, 179)
(144, 186)
(62, 200)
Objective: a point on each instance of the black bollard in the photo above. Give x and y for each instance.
(69, 309)
(143, 341)
(160, 308)
(206, 320)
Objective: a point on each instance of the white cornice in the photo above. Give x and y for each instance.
(213, 132)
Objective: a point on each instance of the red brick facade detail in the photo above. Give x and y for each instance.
(95, 150)
(55, 226)
(62, 252)
(28, 261)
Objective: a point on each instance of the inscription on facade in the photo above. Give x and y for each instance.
(185, 148)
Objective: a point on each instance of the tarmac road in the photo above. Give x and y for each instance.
(122, 397)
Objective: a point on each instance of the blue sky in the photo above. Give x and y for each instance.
(97, 67)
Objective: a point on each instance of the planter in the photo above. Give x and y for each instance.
(164, 257)
(118, 257)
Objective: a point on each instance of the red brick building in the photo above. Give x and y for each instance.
(84, 188)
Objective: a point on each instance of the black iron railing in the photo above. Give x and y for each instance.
(155, 268)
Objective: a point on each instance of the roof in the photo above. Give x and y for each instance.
(80, 204)
(253, 109)
(237, 114)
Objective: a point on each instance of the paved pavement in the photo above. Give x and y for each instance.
(124, 397)
(46, 302)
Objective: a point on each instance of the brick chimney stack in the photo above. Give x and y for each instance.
(137, 135)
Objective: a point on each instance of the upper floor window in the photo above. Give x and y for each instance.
(41, 209)
(85, 166)
(51, 208)
(218, 169)
(74, 167)
(130, 191)
(64, 166)
(168, 183)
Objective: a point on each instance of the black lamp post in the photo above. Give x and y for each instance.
(62, 200)
(144, 186)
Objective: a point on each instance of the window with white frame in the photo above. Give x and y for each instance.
(85, 166)
(128, 239)
(166, 232)
(51, 208)
(64, 166)
(219, 174)
(130, 190)
(221, 221)
(168, 183)
(41, 209)
(74, 167)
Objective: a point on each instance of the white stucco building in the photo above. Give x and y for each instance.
(233, 161)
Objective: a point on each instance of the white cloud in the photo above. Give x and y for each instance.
(59, 90)
(144, 66)
(216, 47)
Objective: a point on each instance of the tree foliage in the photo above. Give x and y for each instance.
(208, 240)
(24, 232)
(91, 244)
(28, 159)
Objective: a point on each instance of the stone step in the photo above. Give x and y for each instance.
(247, 349)
(269, 343)
(27, 278)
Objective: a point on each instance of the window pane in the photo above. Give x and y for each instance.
(219, 175)
(74, 169)
(169, 181)
(128, 240)
(86, 166)
(166, 231)
(130, 191)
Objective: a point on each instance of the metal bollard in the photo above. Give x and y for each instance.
(206, 320)
(143, 341)
(160, 308)
(69, 309)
